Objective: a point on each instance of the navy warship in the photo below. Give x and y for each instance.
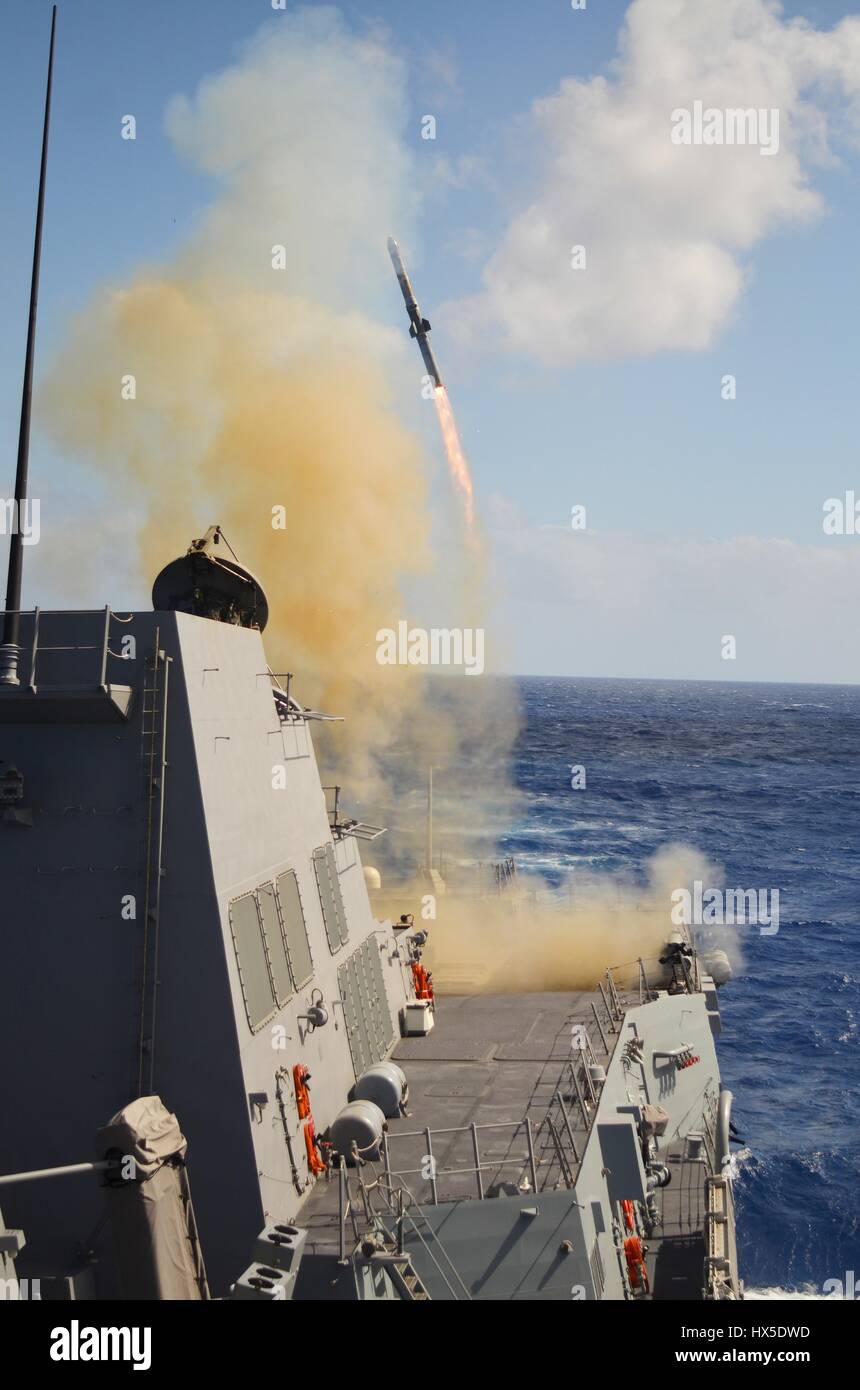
(227, 1073)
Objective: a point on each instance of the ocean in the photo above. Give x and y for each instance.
(765, 781)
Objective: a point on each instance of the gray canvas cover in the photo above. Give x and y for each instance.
(151, 1214)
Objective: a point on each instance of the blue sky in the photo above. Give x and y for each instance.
(645, 442)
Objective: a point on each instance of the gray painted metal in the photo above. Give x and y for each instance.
(622, 1160)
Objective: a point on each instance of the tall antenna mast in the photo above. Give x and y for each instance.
(10, 647)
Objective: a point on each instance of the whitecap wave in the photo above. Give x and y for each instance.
(777, 1295)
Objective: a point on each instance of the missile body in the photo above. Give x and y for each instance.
(418, 326)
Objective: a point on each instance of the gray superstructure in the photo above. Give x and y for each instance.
(158, 811)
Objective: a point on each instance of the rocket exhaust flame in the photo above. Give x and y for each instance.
(460, 474)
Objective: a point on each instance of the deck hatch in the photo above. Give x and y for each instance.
(328, 881)
(277, 950)
(295, 928)
(254, 976)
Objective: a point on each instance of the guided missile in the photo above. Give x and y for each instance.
(418, 326)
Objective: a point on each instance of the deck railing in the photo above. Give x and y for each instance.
(36, 647)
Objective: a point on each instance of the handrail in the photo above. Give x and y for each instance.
(574, 1075)
(38, 648)
(58, 612)
(386, 1190)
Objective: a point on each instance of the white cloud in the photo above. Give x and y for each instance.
(467, 171)
(619, 604)
(305, 134)
(665, 226)
(440, 73)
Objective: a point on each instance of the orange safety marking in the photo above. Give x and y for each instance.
(636, 1271)
(315, 1162)
(301, 1076)
(422, 981)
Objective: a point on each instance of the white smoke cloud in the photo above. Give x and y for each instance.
(665, 226)
(305, 132)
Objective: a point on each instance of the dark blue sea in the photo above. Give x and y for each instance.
(764, 780)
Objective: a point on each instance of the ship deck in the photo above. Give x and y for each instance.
(494, 1060)
(496, 1097)
(498, 1063)
(676, 1247)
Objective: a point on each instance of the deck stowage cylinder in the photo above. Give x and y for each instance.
(359, 1128)
(385, 1085)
